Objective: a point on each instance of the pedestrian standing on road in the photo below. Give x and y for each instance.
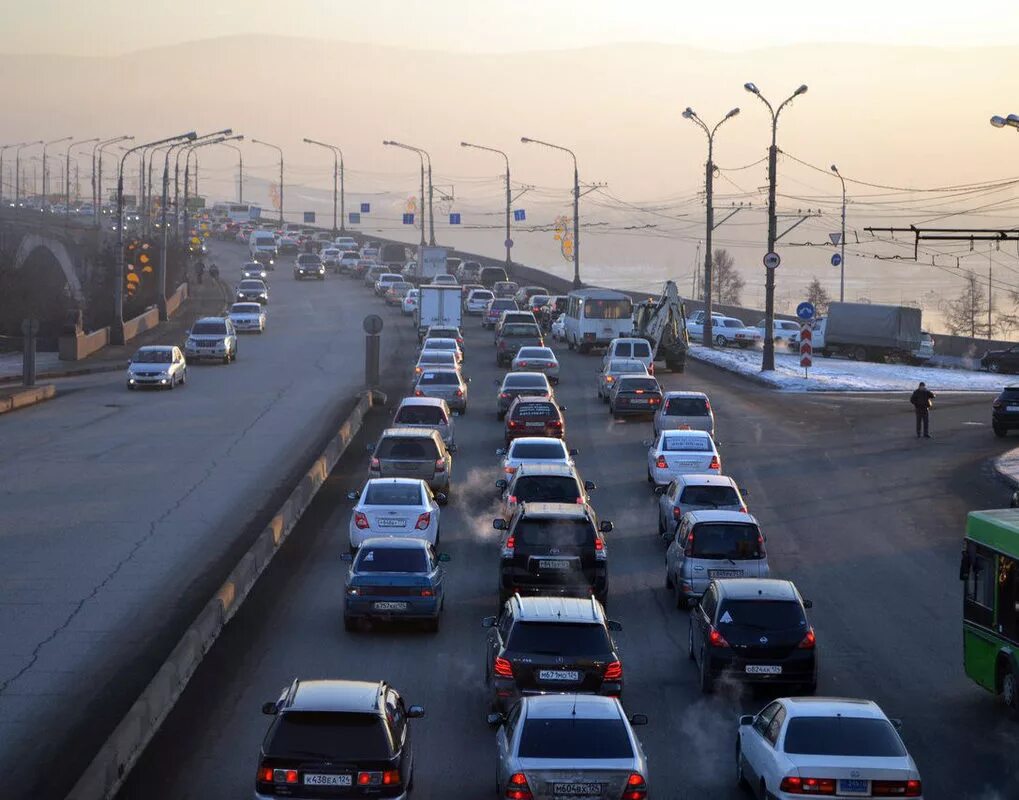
(200, 270)
(922, 400)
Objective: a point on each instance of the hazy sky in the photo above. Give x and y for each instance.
(64, 26)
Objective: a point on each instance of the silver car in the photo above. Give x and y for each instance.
(685, 411)
(211, 337)
(394, 507)
(537, 359)
(412, 453)
(520, 383)
(159, 366)
(528, 450)
(443, 343)
(248, 317)
(252, 290)
(611, 370)
(435, 359)
(444, 383)
(551, 747)
(426, 412)
(695, 493)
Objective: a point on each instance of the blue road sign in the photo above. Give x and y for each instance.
(354, 218)
(408, 219)
(309, 217)
(836, 260)
(366, 208)
(805, 310)
(454, 219)
(519, 215)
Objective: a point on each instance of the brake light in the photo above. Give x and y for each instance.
(279, 775)
(707, 405)
(265, 774)
(417, 370)
(522, 363)
(360, 520)
(512, 501)
(677, 512)
(511, 542)
(518, 788)
(910, 788)
(418, 393)
(638, 391)
(661, 463)
(636, 787)
(815, 786)
(609, 379)
(426, 592)
(375, 464)
(459, 392)
(613, 671)
(808, 641)
(423, 521)
(715, 463)
(503, 395)
(440, 465)
(716, 639)
(655, 400)
(599, 543)
(390, 777)
(503, 668)
(555, 423)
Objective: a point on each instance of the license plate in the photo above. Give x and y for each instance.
(576, 789)
(386, 522)
(328, 780)
(534, 424)
(725, 573)
(641, 402)
(1013, 408)
(389, 606)
(558, 675)
(763, 669)
(854, 786)
(551, 563)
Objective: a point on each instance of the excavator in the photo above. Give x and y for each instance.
(662, 323)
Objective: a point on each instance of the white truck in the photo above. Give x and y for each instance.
(430, 263)
(438, 305)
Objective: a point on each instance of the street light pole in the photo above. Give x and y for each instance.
(280, 151)
(67, 170)
(240, 171)
(2, 148)
(709, 185)
(17, 169)
(45, 194)
(421, 155)
(768, 357)
(99, 173)
(509, 198)
(337, 173)
(842, 264)
(193, 147)
(576, 205)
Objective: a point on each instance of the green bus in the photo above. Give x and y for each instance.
(989, 570)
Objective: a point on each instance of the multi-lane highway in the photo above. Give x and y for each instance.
(864, 517)
(123, 511)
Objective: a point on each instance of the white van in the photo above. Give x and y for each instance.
(628, 347)
(594, 317)
(261, 242)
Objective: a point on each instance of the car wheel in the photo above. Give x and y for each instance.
(650, 479)
(999, 431)
(720, 340)
(741, 779)
(682, 604)
(172, 385)
(183, 377)
(1010, 690)
(130, 387)
(994, 366)
(668, 578)
(707, 683)
(860, 354)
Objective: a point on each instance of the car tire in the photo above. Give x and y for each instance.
(226, 359)
(1010, 690)
(860, 354)
(131, 388)
(682, 604)
(721, 341)
(705, 681)
(432, 625)
(172, 385)
(741, 779)
(999, 431)
(183, 377)
(668, 578)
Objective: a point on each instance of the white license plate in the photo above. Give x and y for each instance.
(858, 786)
(564, 789)
(1013, 408)
(764, 669)
(389, 606)
(558, 675)
(642, 402)
(387, 522)
(725, 573)
(328, 780)
(535, 424)
(550, 563)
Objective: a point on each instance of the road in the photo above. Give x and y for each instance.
(121, 513)
(864, 517)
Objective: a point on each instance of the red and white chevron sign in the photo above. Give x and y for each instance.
(806, 345)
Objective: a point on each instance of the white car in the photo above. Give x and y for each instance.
(675, 453)
(824, 747)
(248, 317)
(444, 343)
(558, 329)
(444, 280)
(345, 243)
(695, 325)
(729, 330)
(411, 301)
(394, 507)
(386, 279)
(157, 365)
(253, 269)
(477, 301)
(537, 359)
(330, 258)
(436, 358)
(534, 450)
(348, 260)
(787, 332)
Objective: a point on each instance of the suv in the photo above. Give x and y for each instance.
(252, 290)
(630, 347)
(549, 645)
(494, 310)
(426, 412)
(329, 736)
(525, 293)
(412, 453)
(553, 549)
(505, 289)
(211, 337)
(543, 483)
(534, 415)
(514, 335)
(468, 272)
(309, 265)
(753, 631)
(489, 276)
(1005, 411)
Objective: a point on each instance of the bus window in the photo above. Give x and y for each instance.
(1008, 597)
(608, 309)
(979, 605)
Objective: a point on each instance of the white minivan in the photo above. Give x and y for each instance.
(261, 243)
(628, 347)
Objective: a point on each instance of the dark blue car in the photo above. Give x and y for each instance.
(394, 578)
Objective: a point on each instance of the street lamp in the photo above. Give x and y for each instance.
(2, 148)
(337, 170)
(67, 171)
(768, 358)
(17, 168)
(509, 199)
(193, 148)
(842, 263)
(576, 206)
(423, 155)
(240, 170)
(45, 194)
(709, 183)
(278, 149)
(97, 170)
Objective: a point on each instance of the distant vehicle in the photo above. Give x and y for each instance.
(262, 243)
(1005, 411)
(387, 279)
(254, 269)
(394, 507)
(529, 450)
(348, 260)
(438, 305)
(558, 328)
(494, 309)
(396, 292)
(159, 366)
(412, 453)
(925, 352)
(512, 336)
(453, 264)
(345, 243)
(445, 332)
(468, 272)
(662, 324)
(443, 343)
(477, 301)
(426, 412)
(288, 244)
(309, 265)
(868, 332)
(393, 255)
(444, 280)
(543, 483)
(514, 384)
(695, 493)
(211, 337)
(684, 410)
(410, 302)
(534, 415)
(537, 359)
(330, 257)
(446, 383)
(489, 276)
(525, 293)
(235, 212)
(629, 347)
(786, 332)
(435, 359)
(373, 274)
(252, 290)
(613, 370)
(634, 395)
(674, 453)
(505, 289)
(512, 315)
(1006, 360)
(248, 317)
(594, 317)
(728, 331)
(429, 265)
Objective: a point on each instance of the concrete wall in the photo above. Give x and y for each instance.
(75, 348)
(175, 300)
(143, 322)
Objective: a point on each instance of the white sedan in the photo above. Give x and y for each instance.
(537, 359)
(395, 507)
(823, 746)
(477, 301)
(162, 367)
(675, 453)
(558, 329)
(729, 331)
(248, 317)
(410, 301)
(534, 450)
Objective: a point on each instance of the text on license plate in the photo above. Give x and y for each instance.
(384, 605)
(553, 563)
(391, 522)
(576, 789)
(725, 573)
(641, 402)
(854, 786)
(558, 675)
(764, 669)
(328, 780)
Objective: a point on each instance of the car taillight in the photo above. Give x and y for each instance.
(677, 512)
(265, 774)
(808, 641)
(707, 405)
(440, 465)
(521, 363)
(661, 463)
(360, 520)
(613, 671)
(423, 521)
(426, 593)
(518, 788)
(504, 395)
(459, 392)
(555, 423)
(816, 786)
(655, 400)
(743, 509)
(636, 787)
(513, 424)
(512, 499)
(389, 777)
(417, 370)
(270, 775)
(715, 463)
(418, 393)
(375, 464)
(910, 788)
(503, 668)
(609, 379)
(716, 639)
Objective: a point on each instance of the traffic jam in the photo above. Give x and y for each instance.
(553, 673)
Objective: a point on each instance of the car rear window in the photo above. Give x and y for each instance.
(439, 344)
(559, 638)
(686, 407)
(520, 329)
(445, 357)
(691, 444)
(409, 448)
(729, 540)
(421, 415)
(641, 350)
(575, 739)
(546, 489)
(626, 365)
(481, 294)
(709, 496)
(525, 382)
(502, 304)
(639, 384)
(731, 323)
(340, 737)
(548, 450)
(391, 559)
(764, 615)
(393, 494)
(843, 736)
(207, 328)
(536, 532)
(535, 409)
(535, 352)
(438, 379)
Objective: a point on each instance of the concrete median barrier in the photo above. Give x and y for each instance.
(113, 762)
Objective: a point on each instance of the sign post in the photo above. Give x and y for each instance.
(29, 329)
(372, 325)
(805, 311)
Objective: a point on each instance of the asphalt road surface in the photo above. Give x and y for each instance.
(864, 517)
(121, 512)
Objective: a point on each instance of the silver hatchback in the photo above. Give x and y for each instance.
(443, 383)
(426, 412)
(695, 493)
(685, 410)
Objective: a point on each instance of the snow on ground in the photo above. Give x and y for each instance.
(841, 375)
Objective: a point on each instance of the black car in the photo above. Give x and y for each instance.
(1001, 360)
(553, 549)
(1005, 411)
(542, 645)
(268, 260)
(309, 265)
(332, 738)
(753, 630)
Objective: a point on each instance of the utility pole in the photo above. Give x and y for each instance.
(990, 290)
(842, 265)
(576, 205)
(509, 199)
(45, 195)
(67, 192)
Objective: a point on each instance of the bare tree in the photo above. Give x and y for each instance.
(818, 296)
(967, 314)
(726, 283)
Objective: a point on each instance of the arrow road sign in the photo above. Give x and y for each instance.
(772, 260)
(806, 345)
(519, 215)
(805, 310)
(836, 260)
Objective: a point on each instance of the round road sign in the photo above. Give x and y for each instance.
(836, 260)
(805, 310)
(508, 243)
(772, 260)
(372, 324)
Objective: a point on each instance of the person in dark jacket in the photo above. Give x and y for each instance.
(922, 400)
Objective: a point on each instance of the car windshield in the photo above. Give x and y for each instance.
(532, 532)
(689, 444)
(641, 350)
(559, 638)
(392, 494)
(524, 382)
(308, 258)
(537, 450)
(523, 410)
(843, 736)
(546, 489)
(608, 309)
(245, 308)
(397, 447)
(765, 615)
(709, 496)
(639, 385)
(258, 285)
(438, 379)
(535, 352)
(576, 738)
(539, 299)
(421, 415)
(726, 540)
(337, 736)
(520, 329)
(437, 357)
(208, 328)
(686, 407)
(152, 357)
(391, 559)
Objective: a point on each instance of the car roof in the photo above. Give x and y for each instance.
(535, 347)
(599, 294)
(335, 695)
(540, 377)
(583, 706)
(627, 340)
(546, 469)
(447, 339)
(705, 479)
(679, 395)
(396, 542)
(399, 481)
(716, 515)
(554, 510)
(625, 361)
(756, 589)
(673, 433)
(635, 375)
(831, 706)
(437, 402)
(538, 440)
(421, 433)
(558, 609)
(520, 399)
(209, 319)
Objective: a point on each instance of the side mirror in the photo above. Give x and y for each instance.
(441, 499)
(660, 490)
(896, 723)
(451, 448)
(501, 451)
(638, 719)
(590, 486)
(445, 558)
(572, 451)
(605, 526)
(348, 557)
(495, 719)
(270, 709)
(808, 603)
(415, 712)
(562, 408)
(501, 484)
(187, 332)
(499, 524)
(614, 626)
(488, 622)
(746, 719)
(353, 495)
(129, 362)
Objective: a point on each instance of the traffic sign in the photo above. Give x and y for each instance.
(836, 260)
(454, 219)
(806, 345)
(519, 215)
(366, 208)
(835, 238)
(508, 243)
(772, 260)
(309, 217)
(354, 218)
(805, 310)
(372, 324)
(408, 219)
